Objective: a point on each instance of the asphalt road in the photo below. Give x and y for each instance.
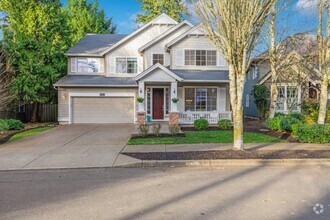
(167, 193)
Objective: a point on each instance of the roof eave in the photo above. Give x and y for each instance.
(91, 85)
(82, 55)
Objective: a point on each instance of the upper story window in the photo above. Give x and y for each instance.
(126, 65)
(158, 58)
(85, 65)
(255, 72)
(200, 57)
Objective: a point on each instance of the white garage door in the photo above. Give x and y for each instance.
(102, 110)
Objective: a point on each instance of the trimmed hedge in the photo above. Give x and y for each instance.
(201, 124)
(10, 124)
(312, 133)
(283, 122)
(224, 124)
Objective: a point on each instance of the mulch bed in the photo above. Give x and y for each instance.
(232, 154)
(6, 135)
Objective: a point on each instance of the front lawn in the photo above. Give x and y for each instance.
(29, 133)
(198, 137)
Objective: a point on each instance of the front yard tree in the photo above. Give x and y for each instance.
(234, 27)
(86, 18)
(5, 82)
(324, 57)
(153, 8)
(35, 40)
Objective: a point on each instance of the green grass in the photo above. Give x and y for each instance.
(198, 137)
(29, 133)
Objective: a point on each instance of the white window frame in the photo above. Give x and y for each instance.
(286, 85)
(76, 70)
(200, 87)
(206, 61)
(151, 103)
(125, 57)
(255, 72)
(152, 58)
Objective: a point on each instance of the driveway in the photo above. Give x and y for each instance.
(71, 146)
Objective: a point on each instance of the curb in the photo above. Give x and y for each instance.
(229, 162)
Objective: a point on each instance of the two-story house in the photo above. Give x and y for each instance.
(161, 61)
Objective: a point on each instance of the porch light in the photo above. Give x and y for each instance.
(173, 91)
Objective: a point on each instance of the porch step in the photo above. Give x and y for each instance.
(164, 130)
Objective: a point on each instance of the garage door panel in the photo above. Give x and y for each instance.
(103, 110)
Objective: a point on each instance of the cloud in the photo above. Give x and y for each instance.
(307, 6)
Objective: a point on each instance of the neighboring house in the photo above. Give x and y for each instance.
(299, 78)
(159, 61)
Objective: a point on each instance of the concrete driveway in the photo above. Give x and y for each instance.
(71, 146)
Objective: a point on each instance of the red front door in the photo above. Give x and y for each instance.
(158, 104)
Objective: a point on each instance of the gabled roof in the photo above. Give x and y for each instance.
(154, 67)
(161, 19)
(196, 30)
(94, 44)
(165, 34)
(315, 77)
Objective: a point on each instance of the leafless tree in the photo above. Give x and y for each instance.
(324, 56)
(6, 97)
(234, 27)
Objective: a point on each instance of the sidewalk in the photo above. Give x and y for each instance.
(126, 161)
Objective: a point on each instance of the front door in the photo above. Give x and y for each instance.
(158, 103)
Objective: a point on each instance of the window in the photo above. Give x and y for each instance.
(247, 101)
(288, 98)
(126, 65)
(158, 58)
(200, 57)
(88, 65)
(200, 99)
(255, 72)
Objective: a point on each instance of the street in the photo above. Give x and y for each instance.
(167, 193)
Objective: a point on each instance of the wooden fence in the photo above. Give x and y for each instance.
(47, 112)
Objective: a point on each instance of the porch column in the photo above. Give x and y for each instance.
(174, 94)
(141, 94)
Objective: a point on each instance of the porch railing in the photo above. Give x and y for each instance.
(212, 117)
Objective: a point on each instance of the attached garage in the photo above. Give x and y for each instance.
(102, 110)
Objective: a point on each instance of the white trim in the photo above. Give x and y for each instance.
(286, 85)
(165, 34)
(155, 53)
(151, 101)
(139, 30)
(127, 57)
(207, 87)
(154, 67)
(207, 49)
(97, 94)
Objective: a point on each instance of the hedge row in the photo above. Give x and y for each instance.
(312, 133)
(10, 124)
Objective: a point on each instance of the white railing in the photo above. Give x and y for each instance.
(212, 117)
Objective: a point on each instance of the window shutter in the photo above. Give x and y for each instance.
(179, 57)
(73, 65)
(112, 65)
(140, 63)
(220, 60)
(101, 65)
(222, 98)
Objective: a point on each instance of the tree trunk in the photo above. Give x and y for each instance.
(238, 128)
(323, 99)
(34, 116)
(273, 98)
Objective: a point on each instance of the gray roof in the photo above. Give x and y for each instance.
(98, 81)
(94, 44)
(200, 75)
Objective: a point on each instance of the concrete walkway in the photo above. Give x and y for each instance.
(72, 146)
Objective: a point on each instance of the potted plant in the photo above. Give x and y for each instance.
(140, 99)
(175, 100)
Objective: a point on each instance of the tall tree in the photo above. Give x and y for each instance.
(35, 40)
(324, 56)
(86, 18)
(153, 8)
(234, 27)
(6, 96)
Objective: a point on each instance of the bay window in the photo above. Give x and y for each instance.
(200, 99)
(200, 57)
(126, 65)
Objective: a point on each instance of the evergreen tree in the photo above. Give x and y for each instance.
(153, 8)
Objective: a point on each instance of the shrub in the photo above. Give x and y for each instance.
(201, 124)
(274, 123)
(287, 122)
(224, 124)
(10, 124)
(260, 94)
(313, 133)
(144, 129)
(156, 129)
(283, 122)
(174, 129)
(14, 124)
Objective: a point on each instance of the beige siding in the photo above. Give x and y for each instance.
(159, 48)
(63, 98)
(131, 47)
(193, 43)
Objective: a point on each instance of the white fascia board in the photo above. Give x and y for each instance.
(154, 67)
(139, 30)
